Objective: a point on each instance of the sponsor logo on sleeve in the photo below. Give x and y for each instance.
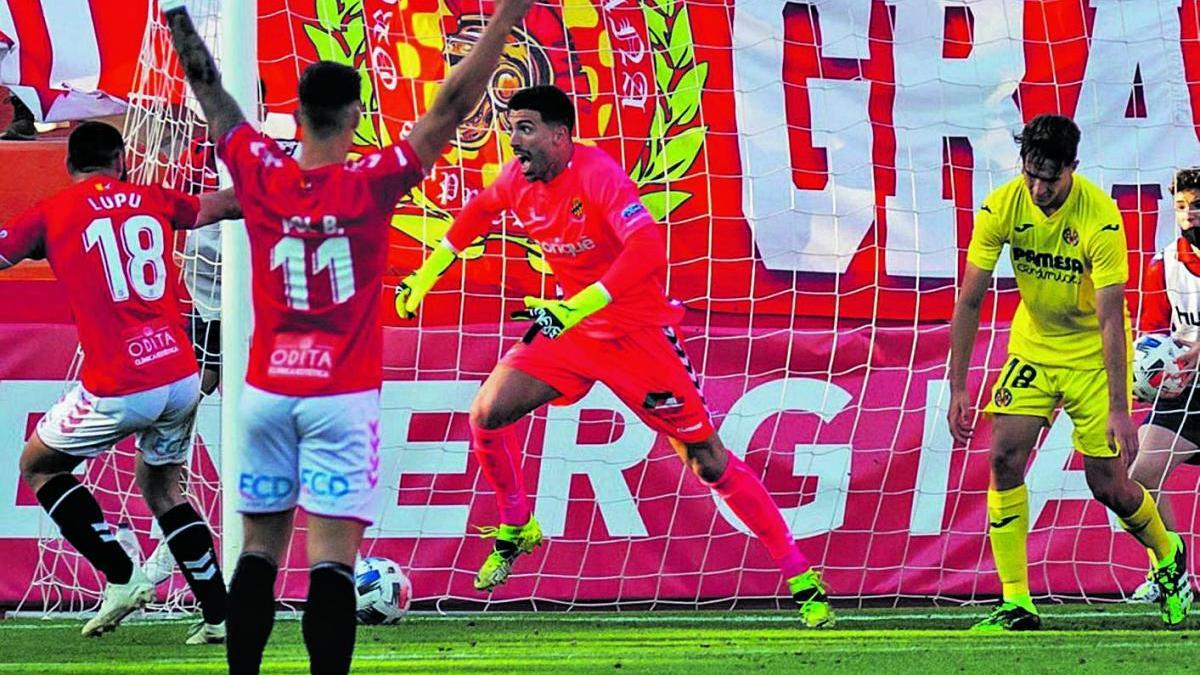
(264, 154)
(633, 210)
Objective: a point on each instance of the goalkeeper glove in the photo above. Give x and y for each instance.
(552, 317)
(412, 290)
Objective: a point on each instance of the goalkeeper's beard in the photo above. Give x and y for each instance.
(1192, 234)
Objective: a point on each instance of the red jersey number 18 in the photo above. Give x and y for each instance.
(143, 239)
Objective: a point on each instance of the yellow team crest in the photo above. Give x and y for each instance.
(1003, 397)
(1070, 236)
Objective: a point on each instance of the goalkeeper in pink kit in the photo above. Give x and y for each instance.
(610, 260)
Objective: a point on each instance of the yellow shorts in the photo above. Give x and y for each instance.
(1026, 388)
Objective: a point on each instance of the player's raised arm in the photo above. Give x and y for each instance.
(220, 109)
(465, 85)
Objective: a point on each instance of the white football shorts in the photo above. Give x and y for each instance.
(82, 424)
(317, 452)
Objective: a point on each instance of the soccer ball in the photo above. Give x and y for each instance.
(1155, 371)
(384, 591)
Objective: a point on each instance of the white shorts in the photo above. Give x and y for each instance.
(82, 424)
(318, 452)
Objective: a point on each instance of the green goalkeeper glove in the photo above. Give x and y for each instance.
(412, 290)
(552, 317)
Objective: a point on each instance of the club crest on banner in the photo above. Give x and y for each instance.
(630, 67)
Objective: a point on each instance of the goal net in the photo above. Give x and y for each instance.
(816, 167)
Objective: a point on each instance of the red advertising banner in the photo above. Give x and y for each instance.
(861, 463)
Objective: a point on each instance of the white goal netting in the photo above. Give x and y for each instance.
(815, 166)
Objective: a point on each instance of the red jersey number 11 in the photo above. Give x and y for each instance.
(333, 254)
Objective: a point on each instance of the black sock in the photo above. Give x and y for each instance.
(82, 523)
(185, 532)
(329, 622)
(251, 613)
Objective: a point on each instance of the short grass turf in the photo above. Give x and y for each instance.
(1077, 638)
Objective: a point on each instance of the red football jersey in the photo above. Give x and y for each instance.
(580, 219)
(109, 244)
(318, 249)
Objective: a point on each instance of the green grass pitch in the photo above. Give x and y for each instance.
(1078, 638)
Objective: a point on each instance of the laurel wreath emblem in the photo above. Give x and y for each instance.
(674, 139)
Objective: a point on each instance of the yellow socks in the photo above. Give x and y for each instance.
(1008, 528)
(1147, 526)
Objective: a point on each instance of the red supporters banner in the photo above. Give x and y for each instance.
(815, 159)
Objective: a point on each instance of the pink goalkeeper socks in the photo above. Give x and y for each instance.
(499, 457)
(748, 498)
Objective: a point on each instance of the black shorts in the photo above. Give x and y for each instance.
(1180, 416)
(206, 341)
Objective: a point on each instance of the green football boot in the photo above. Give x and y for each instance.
(1009, 616)
(809, 593)
(1175, 597)
(511, 542)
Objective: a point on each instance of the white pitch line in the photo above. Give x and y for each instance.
(782, 617)
(706, 618)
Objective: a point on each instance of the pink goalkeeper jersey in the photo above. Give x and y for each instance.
(318, 248)
(580, 219)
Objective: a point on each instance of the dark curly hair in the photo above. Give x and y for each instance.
(1186, 179)
(1049, 137)
(547, 99)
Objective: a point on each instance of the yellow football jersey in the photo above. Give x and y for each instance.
(1059, 263)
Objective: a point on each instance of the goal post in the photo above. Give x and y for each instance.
(239, 72)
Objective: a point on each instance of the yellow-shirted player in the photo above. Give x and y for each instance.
(1070, 343)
